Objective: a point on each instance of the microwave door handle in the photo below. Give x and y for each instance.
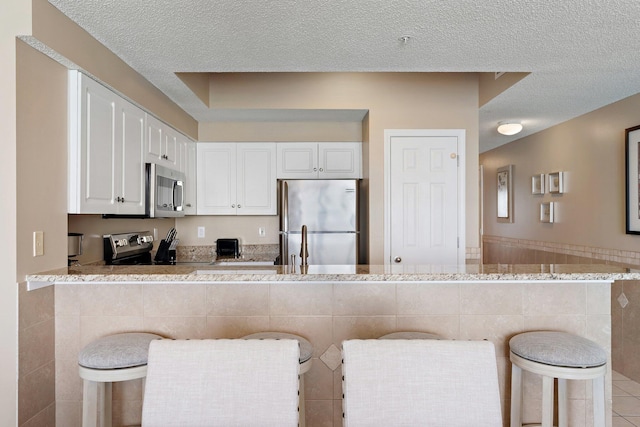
(177, 206)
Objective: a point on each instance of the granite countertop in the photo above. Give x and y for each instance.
(205, 272)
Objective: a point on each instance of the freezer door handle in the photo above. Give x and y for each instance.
(284, 215)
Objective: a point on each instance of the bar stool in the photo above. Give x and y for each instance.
(410, 336)
(306, 351)
(558, 355)
(119, 357)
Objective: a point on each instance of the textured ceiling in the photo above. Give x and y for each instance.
(582, 54)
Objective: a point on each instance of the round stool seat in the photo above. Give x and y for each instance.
(409, 336)
(306, 349)
(558, 349)
(117, 351)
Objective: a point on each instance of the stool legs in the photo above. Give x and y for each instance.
(96, 404)
(598, 402)
(547, 401)
(90, 404)
(107, 405)
(301, 412)
(563, 403)
(516, 396)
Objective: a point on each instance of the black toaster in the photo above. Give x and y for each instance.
(227, 248)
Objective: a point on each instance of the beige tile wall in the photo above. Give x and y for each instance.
(506, 250)
(326, 314)
(625, 321)
(36, 364)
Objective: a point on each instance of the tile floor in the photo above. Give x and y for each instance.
(626, 401)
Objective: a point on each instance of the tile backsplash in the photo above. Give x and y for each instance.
(208, 253)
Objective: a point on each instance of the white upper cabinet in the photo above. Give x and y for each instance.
(106, 142)
(236, 178)
(162, 145)
(131, 185)
(189, 165)
(321, 160)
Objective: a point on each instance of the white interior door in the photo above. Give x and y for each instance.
(425, 207)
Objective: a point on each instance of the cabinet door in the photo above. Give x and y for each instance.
(297, 160)
(191, 179)
(339, 160)
(155, 140)
(216, 183)
(130, 179)
(256, 189)
(94, 138)
(170, 154)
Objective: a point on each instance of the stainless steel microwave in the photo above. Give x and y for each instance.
(164, 192)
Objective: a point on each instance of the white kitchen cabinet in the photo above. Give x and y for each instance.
(236, 178)
(162, 145)
(189, 165)
(319, 160)
(106, 146)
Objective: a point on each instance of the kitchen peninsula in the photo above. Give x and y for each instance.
(326, 305)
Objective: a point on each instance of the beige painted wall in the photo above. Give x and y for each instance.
(590, 150)
(62, 35)
(279, 131)
(42, 160)
(246, 227)
(394, 101)
(15, 19)
(94, 227)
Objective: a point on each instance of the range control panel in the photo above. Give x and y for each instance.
(122, 245)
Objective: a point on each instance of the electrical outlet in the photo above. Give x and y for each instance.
(38, 243)
(200, 232)
(262, 232)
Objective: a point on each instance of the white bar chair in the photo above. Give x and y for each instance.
(410, 335)
(221, 383)
(420, 382)
(558, 355)
(118, 357)
(306, 351)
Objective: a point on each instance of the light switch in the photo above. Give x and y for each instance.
(38, 243)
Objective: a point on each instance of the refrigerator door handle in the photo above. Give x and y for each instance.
(284, 215)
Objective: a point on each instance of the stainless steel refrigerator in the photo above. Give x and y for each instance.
(329, 209)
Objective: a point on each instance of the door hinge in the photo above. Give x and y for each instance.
(458, 243)
(458, 161)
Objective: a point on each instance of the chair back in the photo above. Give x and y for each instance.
(420, 383)
(224, 382)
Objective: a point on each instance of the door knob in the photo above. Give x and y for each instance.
(397, 259)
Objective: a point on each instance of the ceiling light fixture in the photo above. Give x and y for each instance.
(509, 128)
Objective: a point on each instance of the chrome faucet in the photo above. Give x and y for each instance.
(304, 251)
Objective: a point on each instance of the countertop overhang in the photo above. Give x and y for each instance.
(205, 272)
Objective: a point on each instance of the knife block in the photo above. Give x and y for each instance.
(164, 255)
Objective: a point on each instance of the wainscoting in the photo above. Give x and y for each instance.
(625, 294)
